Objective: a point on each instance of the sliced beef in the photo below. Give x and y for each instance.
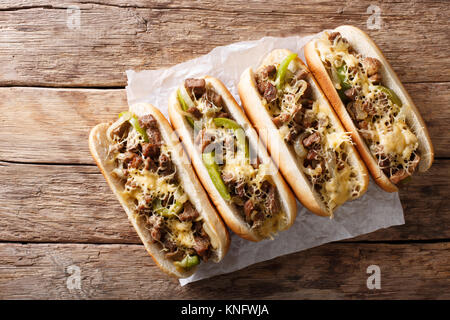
(215, 98)
(136, 162)
(156, 225)
(281, 119)
(333, 36)
(262, 85)
(150, 150)
(201, 246)
(351, 93)
(294, 131)
(272, 201)
(249, 206)
(196, 86)
(312, 155)
(229, 180)
(222, 114)
(270, 92)
(165, 165)
(148, 121)
(240, 189)
(269, 71)
(203, 139)
(195, 112)
(168, 244)
(311, 139)
(371, 65)
(376, 78)
(300, 74)
(297, 116)
(176, 255)
(128, 158)
(189, 212)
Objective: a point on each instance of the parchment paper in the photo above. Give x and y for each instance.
(374, 210)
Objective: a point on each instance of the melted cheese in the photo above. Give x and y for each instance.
(339, 188)
(399, 140)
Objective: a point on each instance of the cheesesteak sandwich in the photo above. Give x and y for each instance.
(303, 134)
(231, 162)
(145, 167)
(372, 104)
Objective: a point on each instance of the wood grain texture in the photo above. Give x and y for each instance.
(52, 125)
(42, 50)
(64, 203)
(413, 271)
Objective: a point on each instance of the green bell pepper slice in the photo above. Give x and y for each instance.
(343, 81)
(214, 174)
(188, 262)
(238, 131)
(184, 106)
(167, 212)
(391, 95)
(282, 70)
(133, 120)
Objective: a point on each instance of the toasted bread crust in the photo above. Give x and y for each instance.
(185, 132)
(363, 44)
(98, 145)
(278, 148)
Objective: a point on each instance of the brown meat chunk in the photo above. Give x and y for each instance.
(371, 65)
(149, 164)
(203, 139)
(215, 98)
(195, 112)
(333, 36)
(248, 208)
(148, 121)
(270, 93)
(312, 155)
(189, 212)
(262, 85)
(150, 149)
(351, 93)
(201, 246)
(281, 119)
(311, 139)
(165, 165)
(375, 78)
(136, 162)
(268, 72)
(177, 255)
(154, 136)
(128, 157)
(196, 86)
(298, 115)
(301, 74)
(156, 224)
(293, 132)
(272, 201)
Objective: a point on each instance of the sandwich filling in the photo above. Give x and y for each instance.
(151, 185)
(376, 110)
(320, 147)
(242, 182)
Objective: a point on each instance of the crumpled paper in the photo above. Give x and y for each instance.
(374, 210)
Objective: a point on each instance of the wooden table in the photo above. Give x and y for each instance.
(58, 217)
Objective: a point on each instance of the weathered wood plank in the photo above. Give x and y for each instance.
(54, 203)
(41, 49)
(412, 271)
(52, 125)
